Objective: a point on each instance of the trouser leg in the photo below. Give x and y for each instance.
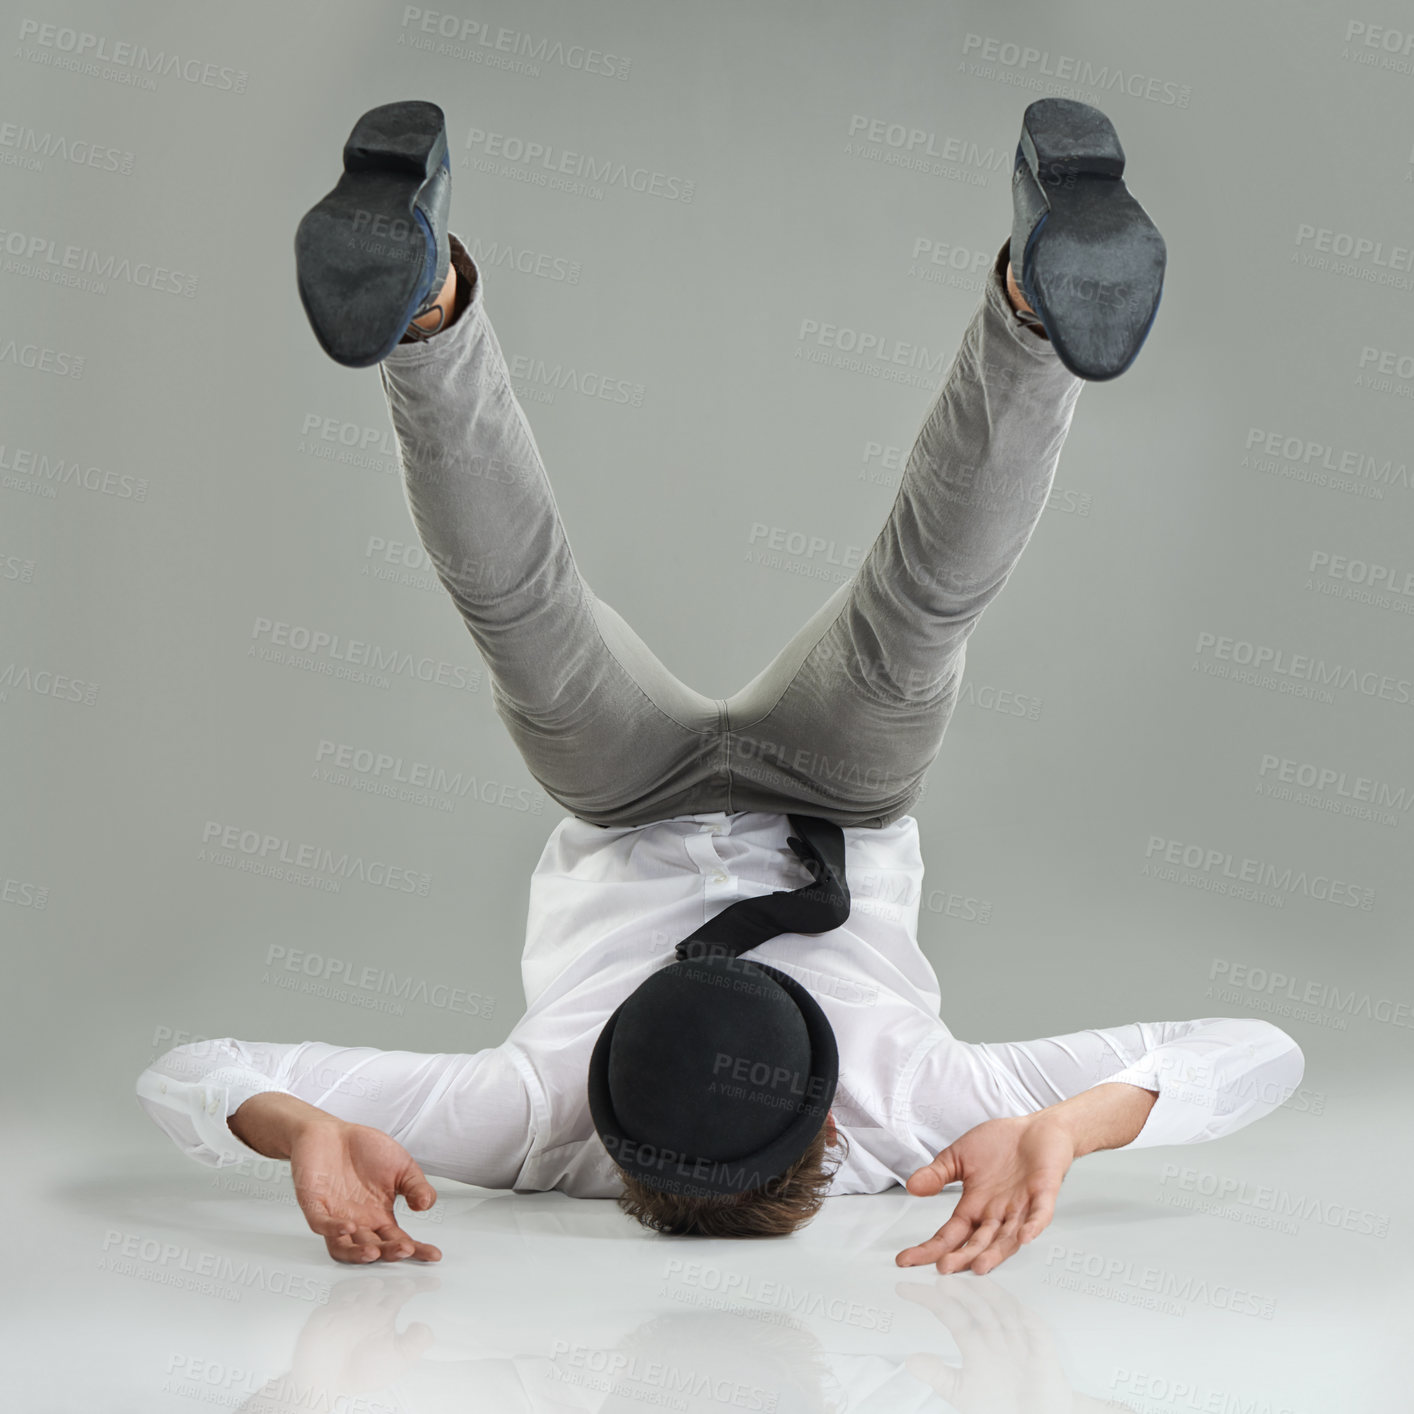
(850, 714)
(602, 725)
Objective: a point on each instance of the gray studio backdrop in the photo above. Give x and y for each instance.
(729, 250)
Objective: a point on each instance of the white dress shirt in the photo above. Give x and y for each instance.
(607, 908)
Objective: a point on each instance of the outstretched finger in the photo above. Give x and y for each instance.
(397, 1244)
(393, 1243)
(368, 1245)
(1006, 1240)
(356, 1247)
(967, 1252)
(953, 1233)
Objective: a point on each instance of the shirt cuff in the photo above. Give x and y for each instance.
(208, 1104)
(1210, 1091)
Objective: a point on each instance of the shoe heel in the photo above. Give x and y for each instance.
(409, 138)
(1062, 138)
(373, 253)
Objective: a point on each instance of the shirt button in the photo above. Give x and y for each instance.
(163, 1087)
(719, 878)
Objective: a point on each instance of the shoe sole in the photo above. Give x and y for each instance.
(1095, 261)
(363, 253)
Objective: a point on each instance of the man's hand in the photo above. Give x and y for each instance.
(1011, 1170)
(346, 1177)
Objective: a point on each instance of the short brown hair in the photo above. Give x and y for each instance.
(776, 1208)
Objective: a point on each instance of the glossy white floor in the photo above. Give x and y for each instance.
(159, 1286)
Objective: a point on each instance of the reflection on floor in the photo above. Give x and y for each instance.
(1208, 1278)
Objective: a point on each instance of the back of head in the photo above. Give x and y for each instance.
(775, 1209)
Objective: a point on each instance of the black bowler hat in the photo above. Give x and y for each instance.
(717, 1072)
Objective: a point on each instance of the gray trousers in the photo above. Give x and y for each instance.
(851, 713)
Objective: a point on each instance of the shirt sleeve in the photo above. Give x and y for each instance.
(466, 1117)
(1213, 1076)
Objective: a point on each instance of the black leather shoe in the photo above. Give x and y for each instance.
(373, 254)
(1086, 255)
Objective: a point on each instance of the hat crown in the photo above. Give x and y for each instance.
(711, 1057)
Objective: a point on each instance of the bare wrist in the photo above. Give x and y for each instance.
(1107, 1116)
(271, 1122)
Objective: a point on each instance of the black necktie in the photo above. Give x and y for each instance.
(817, 907)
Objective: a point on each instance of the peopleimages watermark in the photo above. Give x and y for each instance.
(1385, 370)
(41, 258)
(351, 659)
(392, 238)
(539, 381)
(411, 565)
(29, 470)
(499, 47)
(1023, 65)
(27, 467)
(725, 1287)
(1386, 361)
(853, 990)
(1308, 459)
(1227, 1086)
(1361, 581)
(349, 443)
(1360, 257)
(204, 1273)
(1164, 1393)
(885, 890)
(62, 363)
(498, 255)
(1148, 1287)
(348, 980)
(20, 893)
(260, 852)
(1261, 1204)
(120, 61)
(196, 1377)
(803, 761)
(395, 777)
(874, 354)
(759, 1082)
(45, 682)
(821, 558)
(16, 568)
(1298, 674)
(1254, 985)
(1223, 872)
(885, 464)
(659, 1383)
(677, 1171)
(543, 164)
(917, 149)
(24, 146)
(1379, 46)
(946, 263)
(1333, 790)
